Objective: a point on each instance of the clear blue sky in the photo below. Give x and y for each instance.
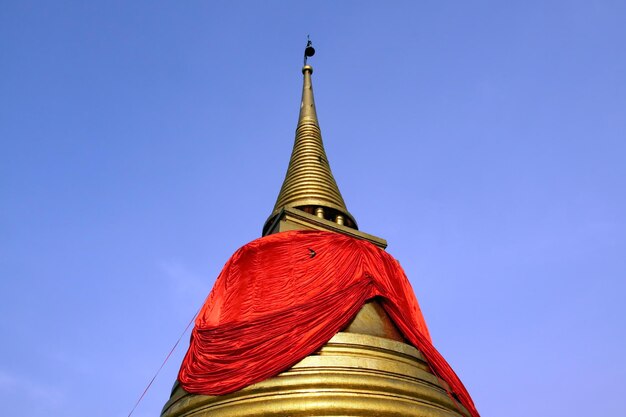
(144, 142)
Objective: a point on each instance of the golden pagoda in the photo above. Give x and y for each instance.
(368, 369)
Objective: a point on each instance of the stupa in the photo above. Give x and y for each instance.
(370, 367)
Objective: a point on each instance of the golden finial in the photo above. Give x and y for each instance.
(309, 183)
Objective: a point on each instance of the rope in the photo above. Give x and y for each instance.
(163, 364)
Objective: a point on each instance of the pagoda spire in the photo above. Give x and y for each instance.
(309, 184)
(370, 367)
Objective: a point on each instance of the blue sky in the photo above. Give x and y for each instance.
(144, 142)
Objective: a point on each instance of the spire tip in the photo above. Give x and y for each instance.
(309, 50)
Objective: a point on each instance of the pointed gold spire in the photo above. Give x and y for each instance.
(309, 183)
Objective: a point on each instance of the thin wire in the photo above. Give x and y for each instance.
(164, 362)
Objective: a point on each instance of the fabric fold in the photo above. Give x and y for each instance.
(280, 298)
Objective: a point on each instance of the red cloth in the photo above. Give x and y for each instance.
(282, 297)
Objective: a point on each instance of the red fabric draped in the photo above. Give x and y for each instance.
(282, 297)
